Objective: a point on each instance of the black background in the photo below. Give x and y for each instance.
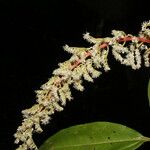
(32, 35)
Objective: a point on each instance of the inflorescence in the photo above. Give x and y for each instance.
(84, 63)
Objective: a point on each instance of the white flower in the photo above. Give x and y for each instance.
(54, 92)
(137, 58)
(77, 74)
(120, 48)
(45, 120)
(147, 58)
(68, 49)
(57, 106)
(117, 56)
(145, 28)
(118, 34)
(86, 75)
(104, 61)
(90, 39)
(96, 61)
(63, 97)
(94, 73)
(78, 85)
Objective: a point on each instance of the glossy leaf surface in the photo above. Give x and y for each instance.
(95, 136)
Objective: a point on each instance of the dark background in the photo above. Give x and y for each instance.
(32, 35)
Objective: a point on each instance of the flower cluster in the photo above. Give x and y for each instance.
(145, 29)
(83, 64)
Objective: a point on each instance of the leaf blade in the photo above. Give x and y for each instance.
(149, 92)
(95, 136)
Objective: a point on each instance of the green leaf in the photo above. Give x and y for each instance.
(149, 91)
(95, 136)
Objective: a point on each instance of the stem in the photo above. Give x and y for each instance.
(104, 45)
(146, 139)
(126, 39)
